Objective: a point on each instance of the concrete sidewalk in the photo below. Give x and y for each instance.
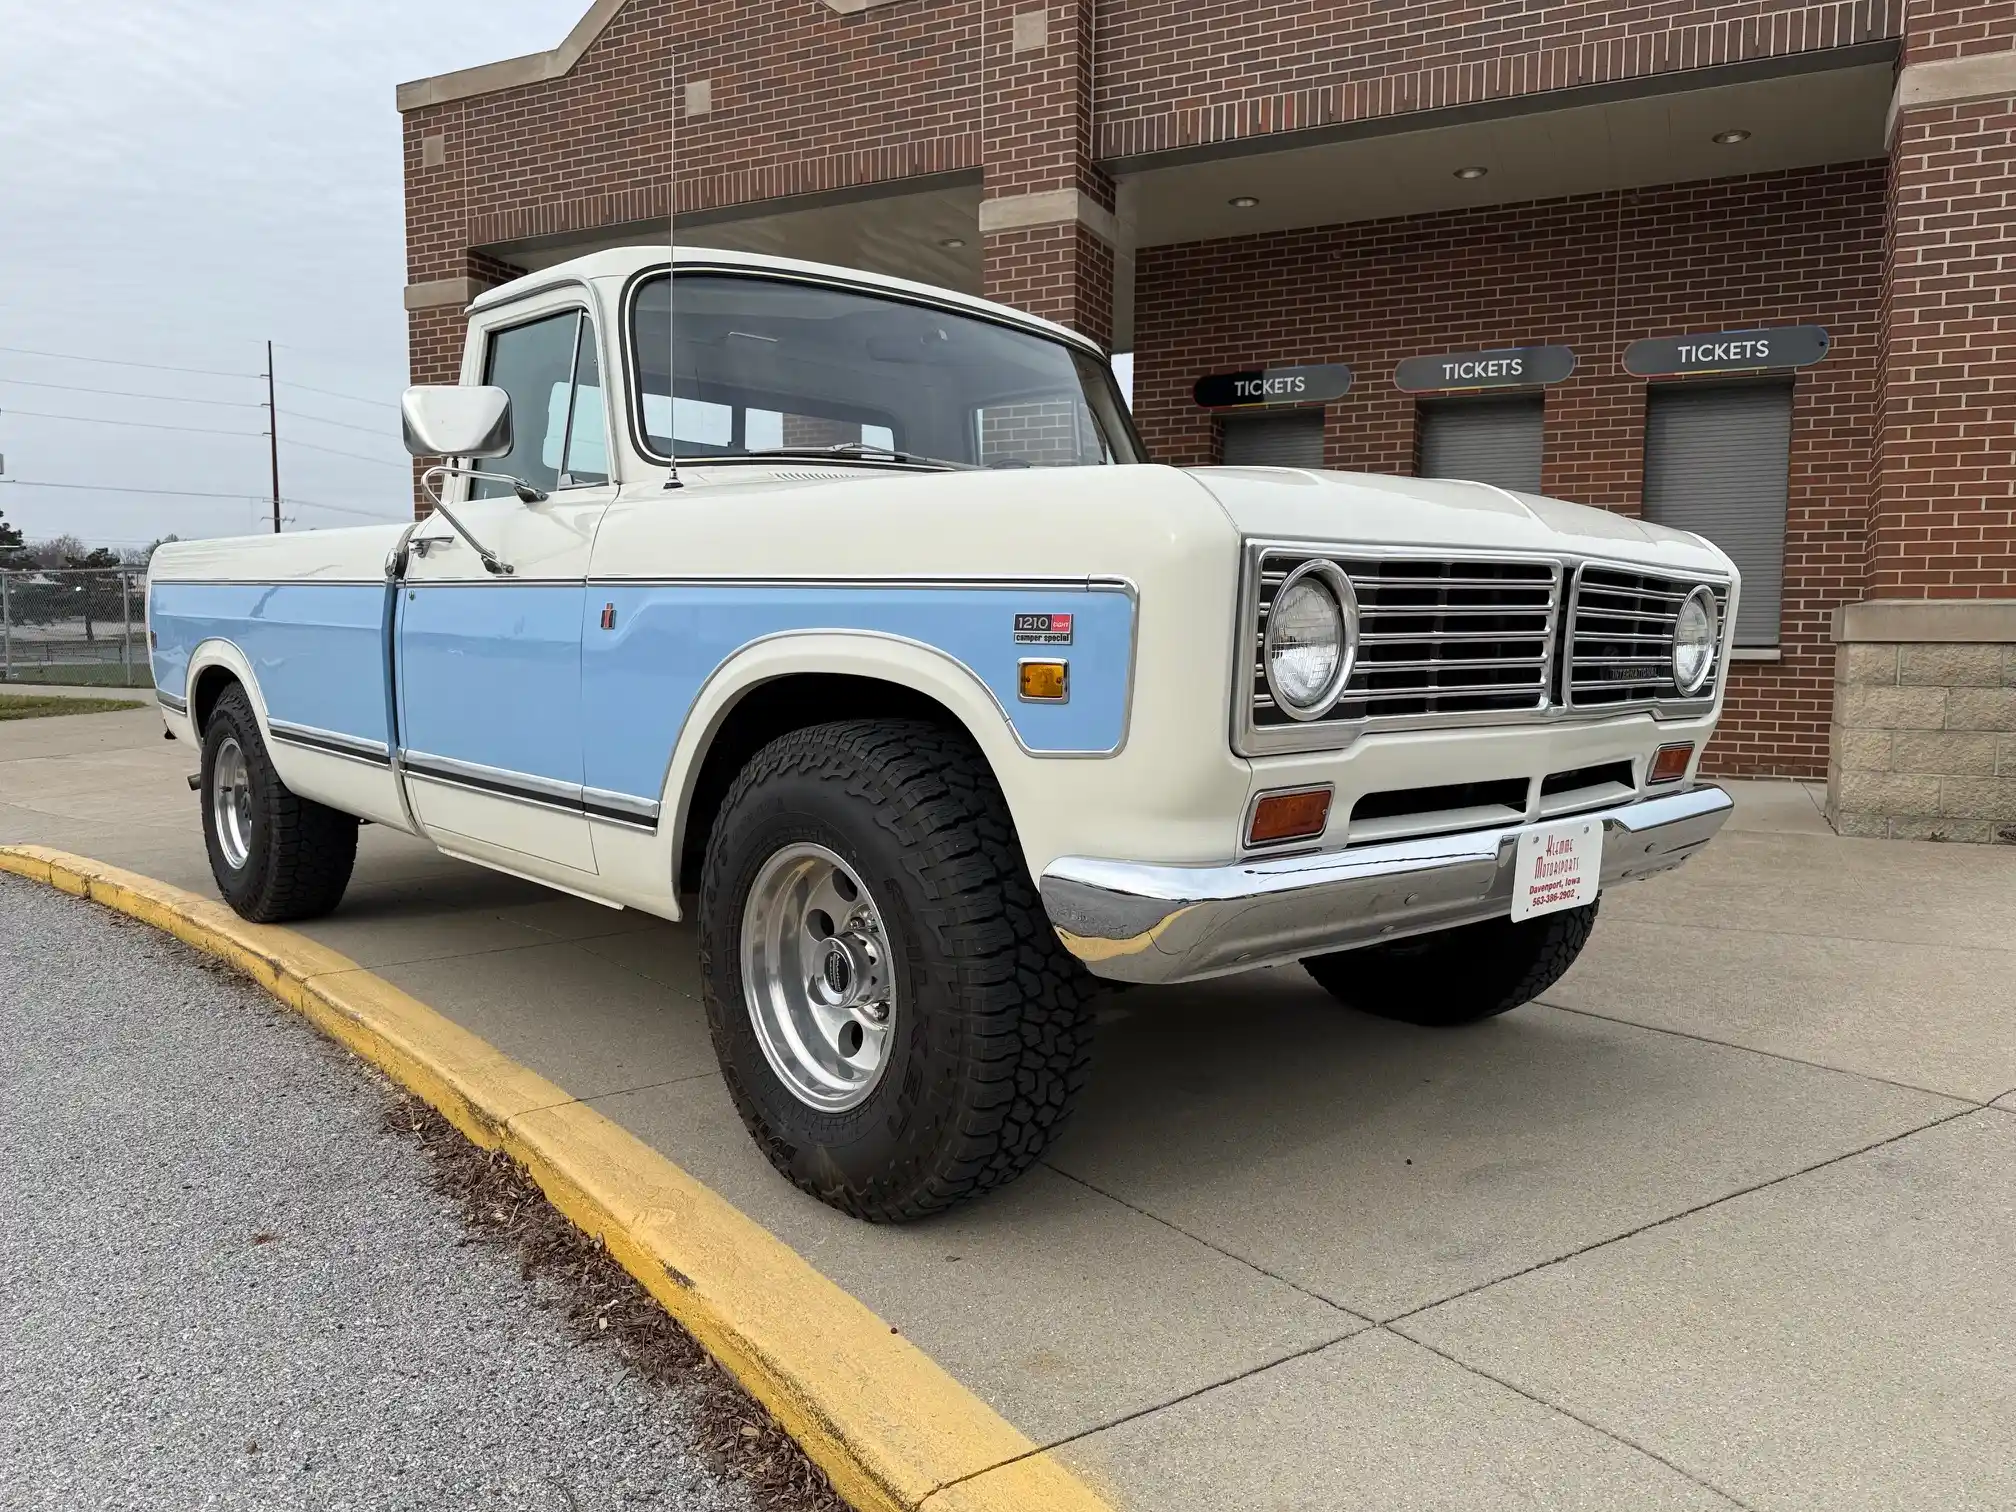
(1724, 1222)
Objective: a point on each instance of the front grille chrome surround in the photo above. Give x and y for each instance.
(1620, 638)
(1472, 638)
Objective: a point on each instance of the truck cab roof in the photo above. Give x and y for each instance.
(623, 263)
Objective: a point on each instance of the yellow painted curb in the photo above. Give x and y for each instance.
(890, 1428)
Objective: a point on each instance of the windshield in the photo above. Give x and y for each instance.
(771, 365)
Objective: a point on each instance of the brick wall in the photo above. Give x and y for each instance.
(803, 100)
(1594, 273)
(1174, 73)
(1943, 501)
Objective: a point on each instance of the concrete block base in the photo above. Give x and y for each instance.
(1924, 729)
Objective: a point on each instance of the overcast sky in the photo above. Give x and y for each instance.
(179, 181)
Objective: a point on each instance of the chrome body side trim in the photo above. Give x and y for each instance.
(539, 792)
(1135, 922)
(620, 808)
(173, 702)
(523, 786)
(330, 742)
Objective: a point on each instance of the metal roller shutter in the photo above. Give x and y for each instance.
(1294, 439)
(1485, 440)
(1716, 461)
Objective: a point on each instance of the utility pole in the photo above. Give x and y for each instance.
(273, 436)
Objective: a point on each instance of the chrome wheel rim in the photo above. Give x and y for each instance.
(231, 802)
(816, 976)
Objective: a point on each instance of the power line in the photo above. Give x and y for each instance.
(356, 456)
(196, 430)
(368, 430)
(157, 367)
(186, 493)
(368, 514)
(72, 388)
(331, 393)
(177, 493)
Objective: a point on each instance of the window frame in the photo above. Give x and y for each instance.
(572, 298)
(633, 407)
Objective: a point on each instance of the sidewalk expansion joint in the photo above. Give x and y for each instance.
(1121, 1419)
(1572, 1415)
(1216, 1249)
(1777, 1055)
(1687, 1212)
(1808, 934)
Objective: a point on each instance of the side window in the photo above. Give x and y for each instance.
(549, 368)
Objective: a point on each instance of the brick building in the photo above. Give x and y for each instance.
(1406, 192)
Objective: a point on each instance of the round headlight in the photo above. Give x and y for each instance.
(1694, 642)
(1312, 639)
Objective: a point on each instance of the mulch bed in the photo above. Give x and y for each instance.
(505, 1209)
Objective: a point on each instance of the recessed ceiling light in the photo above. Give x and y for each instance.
(954, 243)
(1242, 202)
(1472, 172)
(1730, 138)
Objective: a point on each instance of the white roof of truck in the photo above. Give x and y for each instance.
(625, 262)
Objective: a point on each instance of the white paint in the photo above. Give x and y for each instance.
(1175, 792)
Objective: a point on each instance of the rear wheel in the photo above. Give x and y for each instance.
(1457, 976)
(276, 856)
(895, 1019)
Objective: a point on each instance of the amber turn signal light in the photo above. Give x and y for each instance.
(1297, 815)
(1046, 681)
(1670, 764)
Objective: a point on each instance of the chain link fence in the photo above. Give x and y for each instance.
(81, 626)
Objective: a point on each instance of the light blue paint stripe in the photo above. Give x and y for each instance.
(314, 647)
(491, 673)
(640, 679)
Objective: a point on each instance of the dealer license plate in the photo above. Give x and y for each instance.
(1559, 866)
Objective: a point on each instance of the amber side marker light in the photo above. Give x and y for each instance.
(1046, 681)
(1670, 764)
(1298, 815)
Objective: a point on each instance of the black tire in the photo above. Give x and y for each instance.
(991, 1032)
(1457, 976)
(300, 854)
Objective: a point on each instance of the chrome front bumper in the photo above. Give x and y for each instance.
(1143, 923)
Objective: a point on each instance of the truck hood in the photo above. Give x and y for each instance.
(1362, 509)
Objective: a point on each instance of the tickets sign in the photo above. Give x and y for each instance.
(1759, 351)
(1312, 383)
(1467, 372)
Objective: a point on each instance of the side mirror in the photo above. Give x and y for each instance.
(449, 420)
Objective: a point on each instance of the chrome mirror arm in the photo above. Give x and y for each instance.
(527, 494)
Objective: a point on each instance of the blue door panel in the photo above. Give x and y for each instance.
(640, 677)
(317, 649)
(491, 673)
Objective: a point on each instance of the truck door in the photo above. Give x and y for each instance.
(489, 666)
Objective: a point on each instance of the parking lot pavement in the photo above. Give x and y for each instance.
(1723, 1221)
(225, 1284)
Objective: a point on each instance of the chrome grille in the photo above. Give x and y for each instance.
(1437, 637)
(1621, 637)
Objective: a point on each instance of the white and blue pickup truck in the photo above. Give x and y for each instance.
(854, 618)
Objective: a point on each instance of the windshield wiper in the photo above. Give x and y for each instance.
(863, 450)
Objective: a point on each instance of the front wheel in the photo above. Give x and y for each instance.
(896, 1021)
(1457, 976)
(276, 855)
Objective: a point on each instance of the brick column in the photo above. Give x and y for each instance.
(442, 274)
(1943, 515)
(1925, 684)
(1046, 213)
